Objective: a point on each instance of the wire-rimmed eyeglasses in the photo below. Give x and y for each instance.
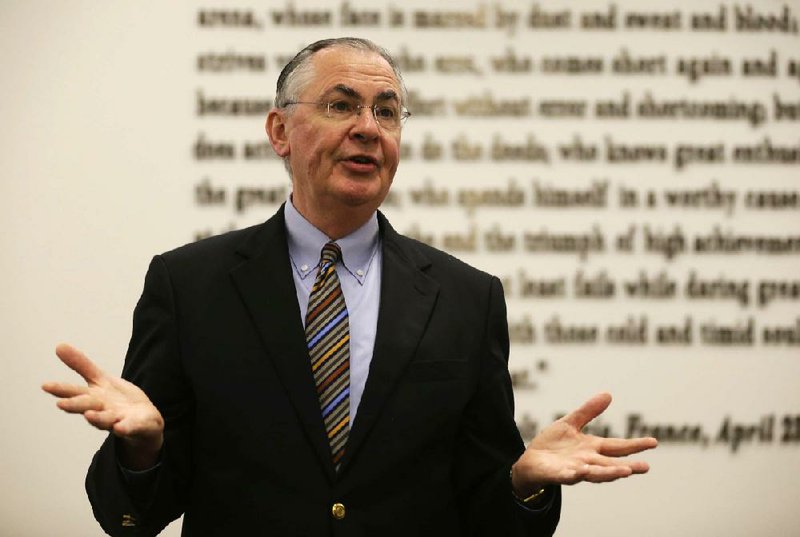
(389, 115)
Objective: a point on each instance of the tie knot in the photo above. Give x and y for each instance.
(331, 253)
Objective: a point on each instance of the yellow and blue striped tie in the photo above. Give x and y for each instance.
(328, 339)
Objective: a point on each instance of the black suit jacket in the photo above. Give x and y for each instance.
(219, 347)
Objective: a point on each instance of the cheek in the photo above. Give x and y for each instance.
(318, 149)
(391, 152)
(308, 157)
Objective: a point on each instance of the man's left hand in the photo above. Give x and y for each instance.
(562, 454)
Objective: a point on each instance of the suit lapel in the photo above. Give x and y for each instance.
(407, 299)
(265, 284)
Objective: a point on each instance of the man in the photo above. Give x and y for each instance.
(320, 374)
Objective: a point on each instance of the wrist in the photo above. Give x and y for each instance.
(139, 454)
(528, 493)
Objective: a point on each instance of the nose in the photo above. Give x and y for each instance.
(366, 126)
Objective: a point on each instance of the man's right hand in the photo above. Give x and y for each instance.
(111, 404)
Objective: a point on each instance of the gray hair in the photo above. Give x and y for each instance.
(297, 74)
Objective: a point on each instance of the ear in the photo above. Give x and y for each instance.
(276, 132)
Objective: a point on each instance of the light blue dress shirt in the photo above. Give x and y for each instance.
(360, 276)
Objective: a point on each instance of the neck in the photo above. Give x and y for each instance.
(337, 224)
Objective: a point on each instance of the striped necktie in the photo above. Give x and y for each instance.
(328, 339)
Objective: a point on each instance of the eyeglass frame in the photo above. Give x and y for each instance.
(404, 113)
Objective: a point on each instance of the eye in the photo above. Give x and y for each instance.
(341, 107)
(386, 112)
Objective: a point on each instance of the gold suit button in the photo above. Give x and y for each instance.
(338, 511)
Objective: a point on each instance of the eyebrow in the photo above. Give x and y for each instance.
(386, 95)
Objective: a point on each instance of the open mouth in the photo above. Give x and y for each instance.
(361, 159)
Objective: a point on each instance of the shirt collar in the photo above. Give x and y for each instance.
(306, 242)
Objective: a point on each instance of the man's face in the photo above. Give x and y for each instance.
(339, 166)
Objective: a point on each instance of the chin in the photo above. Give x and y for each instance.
(358, 193)
(361, 201)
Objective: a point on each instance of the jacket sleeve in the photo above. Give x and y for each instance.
(143, 506)
(489, 443)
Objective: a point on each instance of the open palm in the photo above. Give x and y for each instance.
(109, 403)
(562, 454)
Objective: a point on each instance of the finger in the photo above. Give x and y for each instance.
(62, 389)
(604, 474)
(593, 473)
(639, 467)
(620, 447)
(79, 362)
(631, 467)
(588, 411)
(104, 419)
(79, 404)
(636, 467)
(128, 426)
(125, 427)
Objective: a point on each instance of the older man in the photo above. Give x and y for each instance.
(320, 374)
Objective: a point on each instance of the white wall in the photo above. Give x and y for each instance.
(98, 104)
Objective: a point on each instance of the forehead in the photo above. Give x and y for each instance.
(364, 71)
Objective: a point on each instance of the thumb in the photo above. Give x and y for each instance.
(80, 363)
(588, 411)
